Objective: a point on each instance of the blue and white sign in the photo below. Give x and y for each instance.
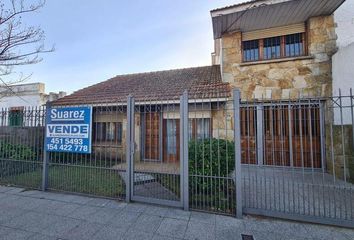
(69, 129)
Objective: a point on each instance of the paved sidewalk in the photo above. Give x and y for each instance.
(36, 215)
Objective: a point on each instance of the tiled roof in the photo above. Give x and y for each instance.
(200, 82)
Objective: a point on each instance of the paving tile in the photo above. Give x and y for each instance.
(109, 233)
(156, 211)
(60, 226)
(147, 223)
(103, 215)
(223, 222)
(203, 217)
(178, 214)
(159, 237)
(39, 236)
(115, 204)
(324, 232)
(136, 235)
(84, 231)
(66, 209)
(9, 213)
(200, 230)
(84, 212)
(290, 229)
(16, 234)
(31, 193)
(135, 207)
(4, 230)
(15, 190)
(57, 208)
(31, 221)
(124, 219)
(98, 202)
(80, 199)
(172, 228)
(4, 189)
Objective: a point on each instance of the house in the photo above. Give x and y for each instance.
(15, 98)
(157, 118)
(270, 50)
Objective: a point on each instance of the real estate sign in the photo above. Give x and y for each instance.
(68, 129)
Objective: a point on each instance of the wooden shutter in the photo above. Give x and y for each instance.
(274, 32)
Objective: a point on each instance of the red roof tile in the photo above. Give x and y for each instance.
(200, 82)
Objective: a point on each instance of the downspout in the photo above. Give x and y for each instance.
(221, 60)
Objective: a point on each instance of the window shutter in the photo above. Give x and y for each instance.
(274, 32)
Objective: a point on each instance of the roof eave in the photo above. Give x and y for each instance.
(262, 14)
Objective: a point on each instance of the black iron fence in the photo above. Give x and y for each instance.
(282, 158)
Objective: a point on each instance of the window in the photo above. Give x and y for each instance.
(251, 50)
(171, 136)
(199, 128)
(292, 45)
(271, 48)
(16, 117)
(107, 132)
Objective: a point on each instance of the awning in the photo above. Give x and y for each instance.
(262, 14)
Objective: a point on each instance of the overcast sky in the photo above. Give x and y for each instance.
(96, 40)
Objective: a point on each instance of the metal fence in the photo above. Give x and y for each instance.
(298, 159)
(21, 146)
(100, 173)
(292, 159)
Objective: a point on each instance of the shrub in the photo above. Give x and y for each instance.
(10, 152)
(17, 152)
(211, 157)
(211, 163)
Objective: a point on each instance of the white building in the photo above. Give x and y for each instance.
(26, 95)
(343, 60)
(343, 70)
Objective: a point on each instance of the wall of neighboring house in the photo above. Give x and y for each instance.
(26, 95)
(281, 78)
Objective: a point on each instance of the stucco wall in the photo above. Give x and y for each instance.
(343, 79)
(309, 76)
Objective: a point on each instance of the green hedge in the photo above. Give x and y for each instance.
(10, 152)
(211, 162)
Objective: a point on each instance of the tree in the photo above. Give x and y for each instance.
(19, 44)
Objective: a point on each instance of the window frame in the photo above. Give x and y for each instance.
(101, 135)
(282, 48)
(16, 117)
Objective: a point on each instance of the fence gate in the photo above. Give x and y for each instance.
(297, 158)
(155, 152)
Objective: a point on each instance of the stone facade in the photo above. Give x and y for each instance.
(283, 78)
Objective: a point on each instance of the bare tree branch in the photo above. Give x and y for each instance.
(19, 44)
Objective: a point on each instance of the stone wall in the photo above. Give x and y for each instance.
(283, 78)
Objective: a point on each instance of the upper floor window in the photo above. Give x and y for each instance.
(291, 45)
(251, 50)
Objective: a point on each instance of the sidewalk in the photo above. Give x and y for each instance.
(37, 215)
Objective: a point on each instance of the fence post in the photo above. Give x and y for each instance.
(45, 153)
(237, 142)
(129, 148)
(184, 150)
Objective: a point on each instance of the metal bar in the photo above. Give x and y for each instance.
(237, 142)
(260, 144)
(184, 182)
(45, 170)
(128, 171)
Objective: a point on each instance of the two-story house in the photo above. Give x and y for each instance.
(270, 50)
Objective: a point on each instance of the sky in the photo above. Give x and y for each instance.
(96, 40)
